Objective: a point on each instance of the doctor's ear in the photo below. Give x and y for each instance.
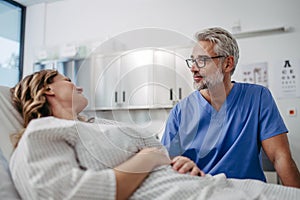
(229, 63)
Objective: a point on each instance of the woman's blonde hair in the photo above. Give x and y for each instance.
(29, 98)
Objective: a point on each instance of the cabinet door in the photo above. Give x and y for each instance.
(106, 84)
(135, 75)
(164, 78)
(184, 78)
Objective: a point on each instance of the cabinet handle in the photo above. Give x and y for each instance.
(180, 93)
(123, 96)
(171, 94)
(116, 97)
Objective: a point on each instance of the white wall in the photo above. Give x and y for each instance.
(96, 20)
(83, 21)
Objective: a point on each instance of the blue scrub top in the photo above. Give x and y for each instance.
(229, 140)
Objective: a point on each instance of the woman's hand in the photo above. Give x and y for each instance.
(184, 165)
(145, 160)
(154, 157)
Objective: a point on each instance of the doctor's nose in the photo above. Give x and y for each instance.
(194, 68)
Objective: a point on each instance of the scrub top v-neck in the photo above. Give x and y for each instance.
(229, 140)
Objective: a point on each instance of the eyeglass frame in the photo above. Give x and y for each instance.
(204, 59)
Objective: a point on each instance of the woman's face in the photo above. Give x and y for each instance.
(67, 94)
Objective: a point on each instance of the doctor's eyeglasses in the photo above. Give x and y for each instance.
(200, 61)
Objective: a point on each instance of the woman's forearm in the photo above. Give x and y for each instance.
(127, 183)
(131, 174)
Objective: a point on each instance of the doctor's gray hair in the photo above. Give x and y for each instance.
(225, 43)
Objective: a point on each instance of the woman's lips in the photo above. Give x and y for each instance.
(79, 90)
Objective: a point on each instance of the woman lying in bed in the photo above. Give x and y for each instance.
(62, 156)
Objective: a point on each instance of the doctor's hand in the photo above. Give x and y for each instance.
(184, 165)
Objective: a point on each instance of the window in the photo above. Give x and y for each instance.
(12, 28)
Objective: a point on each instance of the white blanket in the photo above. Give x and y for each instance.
(63, 159)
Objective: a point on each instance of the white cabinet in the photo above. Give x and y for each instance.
(106, 82)
(164, 84)
(143, 78)
(138, 79)
(123, 79)
(172, 78)
(135, 78)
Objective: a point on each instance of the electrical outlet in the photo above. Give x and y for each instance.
(292, 112)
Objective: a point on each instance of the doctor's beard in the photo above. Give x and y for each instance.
(210, 81)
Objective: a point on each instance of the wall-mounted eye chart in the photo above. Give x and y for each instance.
(287, 74)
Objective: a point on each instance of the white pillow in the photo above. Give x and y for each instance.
(7, 188)
(10, 121)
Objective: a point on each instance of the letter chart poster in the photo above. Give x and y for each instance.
(287, 74)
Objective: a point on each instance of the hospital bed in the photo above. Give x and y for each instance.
(11, 122)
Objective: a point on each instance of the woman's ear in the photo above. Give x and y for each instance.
(49, 91)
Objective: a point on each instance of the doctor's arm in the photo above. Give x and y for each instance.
(278, 151)
(179, 163)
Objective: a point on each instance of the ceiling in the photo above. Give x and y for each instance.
(32, 2)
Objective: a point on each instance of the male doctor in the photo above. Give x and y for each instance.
(223, 124)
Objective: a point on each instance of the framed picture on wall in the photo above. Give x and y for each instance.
(256, 73)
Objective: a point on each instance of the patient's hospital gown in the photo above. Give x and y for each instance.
(65, 159)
